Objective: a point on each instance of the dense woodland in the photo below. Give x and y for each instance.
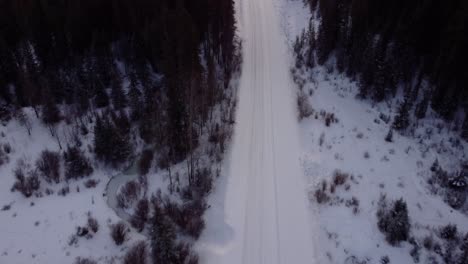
(128, 73)
(418, 45)
(176, 55)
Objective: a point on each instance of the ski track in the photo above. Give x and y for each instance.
(265, 203)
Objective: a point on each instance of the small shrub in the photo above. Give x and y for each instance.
(64, 191)
(385, 260)
(3, 157)
(91, 183)
(137, 254)
(128, 194)
(93, 224)
(82, 231)
(321, 196)
(27, 181)
(49, 166)
(340, 178)
(366, 155)
(119, 233)
(305, 110)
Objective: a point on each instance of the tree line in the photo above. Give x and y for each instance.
(164, 63)
(384, 44)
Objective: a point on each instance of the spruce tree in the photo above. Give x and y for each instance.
(389, 137)
(162, 235)
(464, 132)
(421, 108)
(402, 120)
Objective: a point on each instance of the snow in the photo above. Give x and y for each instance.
(237, 221)
(265, 208)
(38, 230)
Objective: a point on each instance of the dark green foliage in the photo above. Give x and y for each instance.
(389, 137)
(162, 235)
(394, 221)
(464, 132)
(402, 120)
(76, 164)
(392, 42)
(112, 139)
(449, 232)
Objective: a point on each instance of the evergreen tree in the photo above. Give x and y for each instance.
(162, 237)
(101, 99)
(464, 132)
(76, 163)
(402, 120)
(421, 108)
(136, 103)
(119, 100)
(389, 137)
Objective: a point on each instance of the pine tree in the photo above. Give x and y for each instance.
(119, 100)
(310, 60)
(134, 96)
(464, 132)
(162, 237)
(389, 137)
(76, 164)
(101, 99)
(402, 120)
(421, 108)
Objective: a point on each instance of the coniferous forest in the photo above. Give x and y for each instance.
(144, 81)
(418, 45)
(78, 53)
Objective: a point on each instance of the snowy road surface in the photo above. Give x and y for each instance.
(265, 204)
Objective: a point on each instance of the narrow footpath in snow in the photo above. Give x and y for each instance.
(265, 207)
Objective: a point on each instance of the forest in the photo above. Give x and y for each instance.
(418, 45)
(78, 54)
(130, 74)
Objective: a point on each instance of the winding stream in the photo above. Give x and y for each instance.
(113, 186)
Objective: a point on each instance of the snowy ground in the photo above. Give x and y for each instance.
(356, 145)
(38, 229)
(265, 214)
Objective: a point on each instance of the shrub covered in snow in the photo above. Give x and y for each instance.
(305, 109)
(119, 232)
(393, 221)
(93, 224)
(129, 194)
(27, 180)
(49, 166)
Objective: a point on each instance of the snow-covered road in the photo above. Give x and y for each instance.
(265, 204)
